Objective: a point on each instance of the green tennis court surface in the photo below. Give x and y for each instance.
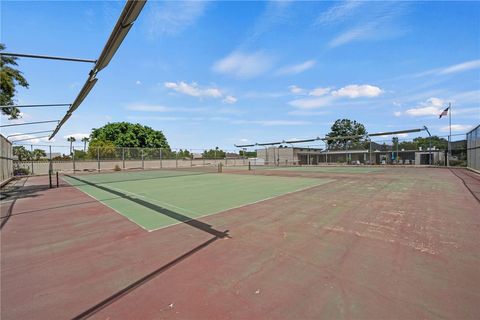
(157, 199)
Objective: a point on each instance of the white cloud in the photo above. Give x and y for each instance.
(397, 113)
(296, 89)
(312, 103)
(244, 65)
(324, 96)
(376, 21)
(456, 68)
(358, 33)
(244, 140)
(318, 92)
(432, 107)
(356, 91)
(147, 107)
(297, 68)
(193, 89)
(173, 17)
(457, 128)
(138, 82)
(230, 100)
(77, 136)
(461, 67)
(338, 12)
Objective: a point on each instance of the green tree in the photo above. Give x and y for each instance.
(213, 154)
(184, 154)
(347, 127)
(439, 143)
(71, 140)
(10, 77)
(125, 134)
(22, 153)
(248, 154)
(38, 154)
(104, 149)
(407, 146)
(80, 154)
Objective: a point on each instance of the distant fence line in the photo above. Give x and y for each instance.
(124, 159)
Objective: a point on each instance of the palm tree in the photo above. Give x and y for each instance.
(71, 140)
(85, 140)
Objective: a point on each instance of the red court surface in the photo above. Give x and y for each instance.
(403, 244)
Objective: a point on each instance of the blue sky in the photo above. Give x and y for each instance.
(222, 73)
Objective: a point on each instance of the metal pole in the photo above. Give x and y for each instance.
(22, 134)
(73, 157)
(38, 56)
(160, 158)
(191, 158)
(57, 179)
(123, 158)
(398, 157)
(26, 123)
(98, 158)
(31, 157)
(50, 169)
(370, 152)
(176, 159)
(450, 135)
(37, 106)
(143, 161)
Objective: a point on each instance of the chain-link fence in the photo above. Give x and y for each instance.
(40, 159)
(6, 160)
(473, 148)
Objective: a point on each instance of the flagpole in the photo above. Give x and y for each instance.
(450, 135)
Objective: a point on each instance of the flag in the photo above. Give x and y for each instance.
(444, 113)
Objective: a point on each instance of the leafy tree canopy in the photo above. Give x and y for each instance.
(214, 154)
(102, 148)
(248, 154)
(37, 154)
(10, 77)
(416, 143)
(22, 153)
(346, 127)
(129, 135)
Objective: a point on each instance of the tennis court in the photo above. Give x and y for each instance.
(159, 198)
(399, 243)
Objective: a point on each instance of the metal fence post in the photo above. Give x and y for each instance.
(370, 152)
(31, 157)
(143, 161)
(98, 158)
(50, 169)
(160, 158)
(176, 159)
(191, 158)
(123, 158)
(73, 159)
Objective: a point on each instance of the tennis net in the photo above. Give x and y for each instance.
(137, 175)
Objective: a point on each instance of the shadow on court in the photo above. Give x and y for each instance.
(118, 295)
(174, 215)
